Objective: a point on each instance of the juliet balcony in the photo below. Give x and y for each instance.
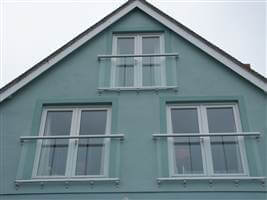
(65, 159)
(179, 158)
(132, 72)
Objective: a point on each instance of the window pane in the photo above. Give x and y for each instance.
(58, 123)
(93, 122)
(53, 155)
(151, 65)
(90, 151)
(188, 157)
(185, 120)
(221, 120)
(125, 66)
(125, 45)
(225, 150)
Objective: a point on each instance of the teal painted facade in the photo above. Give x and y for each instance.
(74, 81)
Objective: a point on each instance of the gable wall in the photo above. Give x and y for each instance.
(75, 79)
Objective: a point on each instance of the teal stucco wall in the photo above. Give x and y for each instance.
(74, 80)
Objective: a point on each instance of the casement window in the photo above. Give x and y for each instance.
(73, 157)
(207, 155)
(140, 66)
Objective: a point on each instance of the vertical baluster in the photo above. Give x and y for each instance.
(118, 155)
(150, 71)
(158, 152)
(124, 71)
(175, 70)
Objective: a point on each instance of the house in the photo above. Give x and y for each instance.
(136, 107)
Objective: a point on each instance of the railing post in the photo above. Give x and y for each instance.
(118, 155)
(22, 160)
(158, 152)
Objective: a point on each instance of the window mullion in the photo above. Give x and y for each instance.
(106, 153)
(163, 81)
(138, 64)
(113, 62)
(73, 145)
(207, 146)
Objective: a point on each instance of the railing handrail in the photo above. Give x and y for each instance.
(138, 55)
(166, 135)
(23, 138)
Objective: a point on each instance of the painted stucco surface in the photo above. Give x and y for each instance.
(75, 79)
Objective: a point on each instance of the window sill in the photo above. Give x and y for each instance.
(66, 181)
(137, 89)
(211, 179)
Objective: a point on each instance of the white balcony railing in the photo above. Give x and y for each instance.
(28, 149)
(138, 72)
(161, 145)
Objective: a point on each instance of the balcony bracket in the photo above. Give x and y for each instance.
(17, 185)
(119, 91)
(117, 182)
(67, 184)
(210, 182)
(263, 182)
(236, 182)
(42, 185)
(91, 184)
(157, 91)
(258, 137)
(184, 183)
(99, 92)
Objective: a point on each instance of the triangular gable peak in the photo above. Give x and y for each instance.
(156, 14)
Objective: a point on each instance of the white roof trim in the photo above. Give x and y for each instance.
(196, 41)
(200, 44)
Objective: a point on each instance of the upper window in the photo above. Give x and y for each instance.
(214, 155)
(140, 64)
(71, 157)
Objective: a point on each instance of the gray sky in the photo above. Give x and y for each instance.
(32, 29)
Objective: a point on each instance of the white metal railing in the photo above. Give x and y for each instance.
(138, 55)
(138, 72)
(161, 178)
(166, 135)
(24, 176)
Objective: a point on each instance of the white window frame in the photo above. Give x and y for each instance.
(205, 141)
(73, 144)
(138, 79)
